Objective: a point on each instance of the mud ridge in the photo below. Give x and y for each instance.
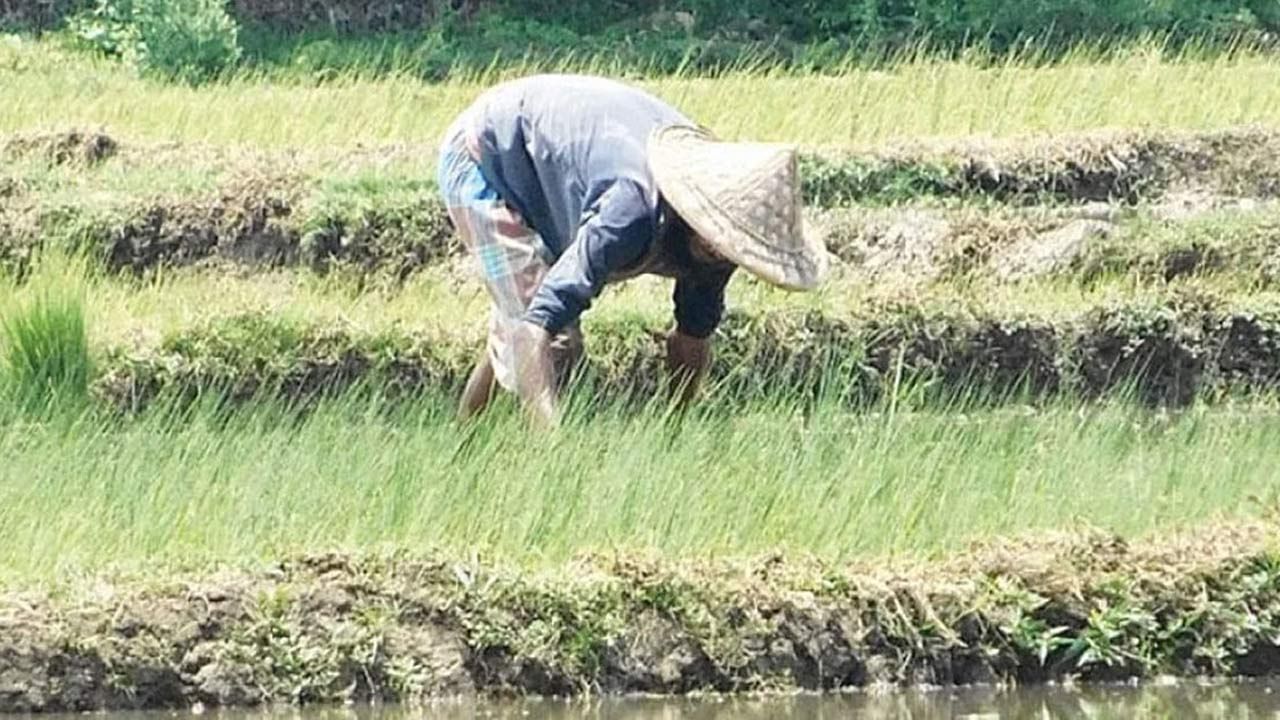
(286, 210)
(1168, 350)
(400, 627)
(1181, 236)
(249, 224)
(1119, 166)
(255, 227)
(83, 148)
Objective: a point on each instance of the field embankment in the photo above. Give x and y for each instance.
(1028, 206)
(999, 267)
(333, 628)
(1168, 350)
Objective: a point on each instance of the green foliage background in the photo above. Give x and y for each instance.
(195, 39)
(189, 40)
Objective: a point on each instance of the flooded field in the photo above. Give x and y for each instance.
(1258, 699)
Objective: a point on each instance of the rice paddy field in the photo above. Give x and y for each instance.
(1026, 431)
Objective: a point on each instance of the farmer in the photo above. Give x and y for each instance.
(561, 184)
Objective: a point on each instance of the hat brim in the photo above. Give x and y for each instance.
(794, 260)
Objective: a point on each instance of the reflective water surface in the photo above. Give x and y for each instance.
(1258, 699)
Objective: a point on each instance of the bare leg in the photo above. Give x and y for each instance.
(479, 390)
(567, 351)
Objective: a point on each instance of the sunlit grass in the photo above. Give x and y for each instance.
(45, 357)
(449, 301)
(911, 97)
(82, 492)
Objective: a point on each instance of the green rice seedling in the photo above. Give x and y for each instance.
(45, 358)
(210, 482)
(46, 352)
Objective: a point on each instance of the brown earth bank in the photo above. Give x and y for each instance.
(1180, 236)
(1027, 206)
(1098, 165)
(335, 627)
(1168, 349)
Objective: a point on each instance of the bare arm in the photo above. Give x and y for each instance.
(699, 304)
(616, 230)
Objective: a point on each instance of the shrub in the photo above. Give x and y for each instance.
(191, 40)
(194, 39)
(188, 40)
(1002, 24)
(106, 28)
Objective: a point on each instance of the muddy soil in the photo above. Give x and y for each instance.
(1100, 166)
(1025, 207)
(1171, 349)
(84, 148)
(917, 244)
(333, 628)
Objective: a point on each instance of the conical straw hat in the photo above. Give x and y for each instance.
(743, 199)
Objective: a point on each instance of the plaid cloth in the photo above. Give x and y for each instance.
(511, 258)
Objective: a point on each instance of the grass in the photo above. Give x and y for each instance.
(910, 97)
(81, 491)
(45, 357)
(123, 311)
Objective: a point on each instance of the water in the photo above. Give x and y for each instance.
(1175, 700)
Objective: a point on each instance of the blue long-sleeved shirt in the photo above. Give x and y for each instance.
(569, 153)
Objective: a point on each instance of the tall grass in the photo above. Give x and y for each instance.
(45, 358)
(126, 311)
(190, 485)
(909, 96)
